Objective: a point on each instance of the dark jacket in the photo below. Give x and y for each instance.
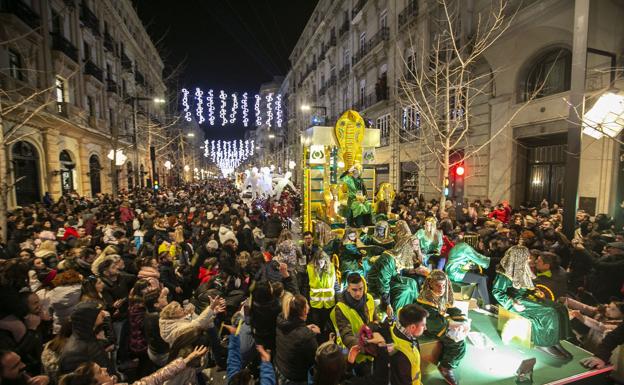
(273, 227)
(263, 321)
(246, 240)
(114, 291)
(82, 346)
(29, 347)
(155, 343)
(401, 367)
(296, 348)
(557, 282)
(610, 342)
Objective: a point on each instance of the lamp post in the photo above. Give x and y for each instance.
(135, 100)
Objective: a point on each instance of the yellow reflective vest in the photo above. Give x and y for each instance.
(411, 352)
(355, 320)
(322, 293)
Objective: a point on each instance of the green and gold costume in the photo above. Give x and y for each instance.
(463, 258)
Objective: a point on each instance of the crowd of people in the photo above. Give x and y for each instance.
(180, 284)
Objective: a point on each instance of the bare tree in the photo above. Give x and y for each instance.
(445, 87)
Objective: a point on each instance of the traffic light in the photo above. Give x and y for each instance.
(459, 172)
(156, 185)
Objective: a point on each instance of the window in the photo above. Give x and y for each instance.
(548, 75)
(57, 23)
(91, 106)
(410, 123)
(109, 72)
(383, 124)
(344, 98)
(111, 117)
(362, 93)
(383, 19)
(87, 51)
(15, 65)
(346, 58)
(60, 90)
(362, 43)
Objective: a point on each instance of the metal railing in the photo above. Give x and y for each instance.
(89, 19)
(109, 43)
(61, 44)
(344, 27)
(111, 86)
(408, 13)
(22, 11)
(372, 99)
(382, 35)
(126, 63)
(90, 68)
(357, 8)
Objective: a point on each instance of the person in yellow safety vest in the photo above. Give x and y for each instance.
(322, 280)
(405, 360)
(355, 308)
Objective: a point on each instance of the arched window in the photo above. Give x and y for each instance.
(25, 161)
(94, 175)
(548, 75)
(67, 172)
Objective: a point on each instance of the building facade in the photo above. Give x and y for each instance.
(358, 53)
(78, 78)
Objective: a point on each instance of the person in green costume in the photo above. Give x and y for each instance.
(352, 258)
(385, 282)
(358, 208)
(381, 236)
(513, 289)
(409, 260)
(431, 244)
(436, 297)
(465, 266)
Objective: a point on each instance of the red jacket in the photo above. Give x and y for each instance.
(502, 215)
(206, 275)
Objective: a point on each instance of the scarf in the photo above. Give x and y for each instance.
(359, 306)
(515, 265)
(427, 295)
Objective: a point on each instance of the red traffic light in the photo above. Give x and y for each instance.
(460, 170)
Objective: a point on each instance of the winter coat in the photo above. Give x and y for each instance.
(168, 277)
(26, 342)
(126, 214)
(171, 329)
(263, 320)
(246, 240)
(235, 364)
(273, 227)
(155, 343)
(82, 346)
(162, 375)
(62, 300)
(136, 319)
(114, 291)
(296, 348)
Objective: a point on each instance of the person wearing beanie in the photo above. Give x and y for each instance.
(83, 345)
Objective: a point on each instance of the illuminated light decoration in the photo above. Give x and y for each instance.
(222, 111)
(234, 108)
(200, 110)
(278, 111)
(241, 149)
(210, 106)
(185, 104)
(206, 148)
(228, 155)
(212, 150)
(246, 148)
(257, 110)
(245, 109)
(252, 148)
(269, 109)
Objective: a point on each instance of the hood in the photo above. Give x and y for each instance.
(287, 325)
(83, 319)
(65, 296)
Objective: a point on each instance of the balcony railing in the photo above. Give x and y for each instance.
(382, 35)
(126, 63)
(93, 70)
(109, 43)
(357, 8)
(111, 86)
(372, 99)
(61, 44)
(89, 19)
(408, 13)
(22, 11)
(344, 27)
(61, 108)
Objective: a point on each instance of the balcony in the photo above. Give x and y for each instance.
(382, 35)
(109, 43)
(61, 44)
(323, 89)
(61, 109)
(344, 27)
(357, 8)
(89, 19)
(380, 94)
(111, 86)
(332, 80)
(126, 63)
(408, 13)
(93, 70)
(22, 11)
(344, 71)
(332, 40)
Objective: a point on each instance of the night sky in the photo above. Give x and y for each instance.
(234, 45)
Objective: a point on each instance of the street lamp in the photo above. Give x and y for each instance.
(136, 99)
(271, 136)
(191, 134)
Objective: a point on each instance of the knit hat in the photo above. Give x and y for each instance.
(212, 244)
(210, 216)
(84, 315)
(228, 236)
(46, 249)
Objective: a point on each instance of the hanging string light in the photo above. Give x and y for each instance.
(245, 110)
(200, 110)
(206, 149)
(269, 109)
(212, 150)
(211, 107)
(278, 110)
(222, 111)
(234, 108)
(257, 110)
(185, 104)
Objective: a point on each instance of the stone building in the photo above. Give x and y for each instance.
(354, 53)
(85, 67)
